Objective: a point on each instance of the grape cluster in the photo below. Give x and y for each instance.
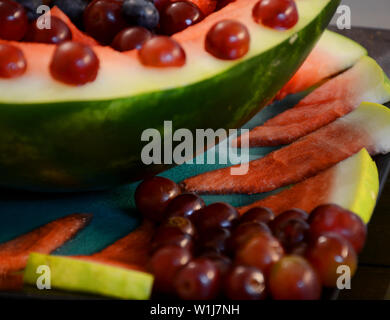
(208, 252)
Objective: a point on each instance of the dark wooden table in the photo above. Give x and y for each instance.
(372, 280)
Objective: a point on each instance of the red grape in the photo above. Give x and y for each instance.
(74, 63)
(177, 16)
(131, 38)
(258, 214)
(179, 223)
(222, 262)
(57, 33)
(13, 20)
(276, 14)
(262, 251)
(103, 19)
(153, 195)
(12, 61)
(329, 251)
(165, 263)
(333, 218)
(245, 283)
(293, 278)
(244, 232)
(214, 216)
(287, 215)
(162, 51)
(198, 280)
(215, 239)
(228, 40)
(184, 205)
(291, 233)
(171, 237)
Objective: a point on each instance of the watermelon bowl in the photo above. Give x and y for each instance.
(60, 138)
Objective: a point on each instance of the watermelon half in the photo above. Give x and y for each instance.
(56, 137)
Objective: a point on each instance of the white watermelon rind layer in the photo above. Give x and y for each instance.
(374, 119)
(343, 49)
(355, 185)
(374, 79)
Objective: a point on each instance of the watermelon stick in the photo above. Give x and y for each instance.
(45, 239)
(366, 127)
(366, 81)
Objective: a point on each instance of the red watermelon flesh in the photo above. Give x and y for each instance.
(337, 97)
(45, 239)
(366, 127)
(352, 184)
(131, 251)
(305, 195)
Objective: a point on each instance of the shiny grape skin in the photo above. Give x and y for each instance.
(228, 40)
(13, 20)
(184, 205)
(333, 218)
(13, 63)
(293, 278)
(245, 283)
(153, 195)
(162, 52)
(261, 251)
(198, 280)
(164, 265)
(276, 14)
(258, 214)
(244, 232)
(216, 215)
(326, 253)
(74, 63)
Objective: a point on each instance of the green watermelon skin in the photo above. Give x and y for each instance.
(93, 145)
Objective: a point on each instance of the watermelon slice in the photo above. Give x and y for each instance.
(365, 81)
(353, 184)
(120, 268)
(45, 239)
(366, 127)
(57, 137)
(332, 54)
(69, 273)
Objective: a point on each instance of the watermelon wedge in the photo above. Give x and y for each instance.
(365, 81)
(352, 183)
(366, 127)
(45, 239)
(332, 54)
